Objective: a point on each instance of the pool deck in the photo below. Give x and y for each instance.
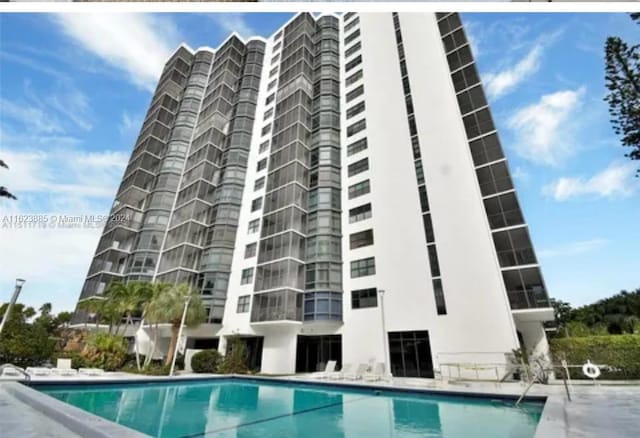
(606, 409)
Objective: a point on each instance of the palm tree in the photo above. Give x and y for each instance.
(168, 306)
(4, 193)
(93, 305)
(128, 299)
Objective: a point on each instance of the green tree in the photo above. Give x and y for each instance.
(63, 319)
(168, 307)
(622, 75)
(127, 299)
(22, 343)
(562, 311)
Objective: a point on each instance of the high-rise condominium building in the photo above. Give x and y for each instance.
(336, 191)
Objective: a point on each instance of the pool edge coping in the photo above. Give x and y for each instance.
(552, 423)
(77, 420)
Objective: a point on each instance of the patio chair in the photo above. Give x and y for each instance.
(330, 368)
(63, 368)
(347, 368)
(357, 374)
(38, 371)
(91, 371)
(376, 373)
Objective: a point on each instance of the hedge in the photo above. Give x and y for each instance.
(205, 361)
(621, 352)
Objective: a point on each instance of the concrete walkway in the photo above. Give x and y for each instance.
(21, 420)
(609, 409)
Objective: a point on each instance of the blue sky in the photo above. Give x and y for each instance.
(74, 89)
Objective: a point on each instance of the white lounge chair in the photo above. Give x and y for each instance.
(63, 368)
(347, 368)
(38, 371)
(91, 371)
(376, 373)
(330, 368)
(357, 374)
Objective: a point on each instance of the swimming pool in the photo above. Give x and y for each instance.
(256, 408)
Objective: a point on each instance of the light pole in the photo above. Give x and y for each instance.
(184, 316)
(385, 342)
(14, 298)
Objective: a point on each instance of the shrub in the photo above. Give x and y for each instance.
(621, 352)
(206, 361)
(106, 351)
(153, 369)
(235, 361)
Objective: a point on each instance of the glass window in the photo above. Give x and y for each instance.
(353, 49)
(357, 146)
(353, 23)
(355, 110)
(351, 37)
(247, 276)
(254, 225)
(263, 146)
(358, 167)
(360, 213)
(355, 77)
(256, 204)
(503, 211)
(433, 261)
(359, 189)
(262, 164)
(259, 183)
(243, 304)
(250, 250)
(359, 91)
(363, 238)
(486, 149)
(428, 227)
(494, 178)
(363, 267)
(478, 123)
(514, 247)
(356, 127)
(363, 298)
(353, 63)
(424, 199)
(438, 293)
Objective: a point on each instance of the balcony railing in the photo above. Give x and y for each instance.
(528, 299)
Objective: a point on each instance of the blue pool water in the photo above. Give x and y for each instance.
(251, 408)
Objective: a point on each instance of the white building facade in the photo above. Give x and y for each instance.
(372, 216)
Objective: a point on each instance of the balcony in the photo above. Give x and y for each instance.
(281, 307)
(530, 305)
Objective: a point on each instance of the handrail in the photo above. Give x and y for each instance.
(26, 375)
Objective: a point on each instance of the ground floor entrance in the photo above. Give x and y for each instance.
(313, 352)
(253, 350)
(202, 343)
(410, 354)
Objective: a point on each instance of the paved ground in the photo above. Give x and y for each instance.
(610, 409)
(20, 420)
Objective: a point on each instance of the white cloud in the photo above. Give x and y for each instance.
(573, 248)
(66, 171)
(36, 119)
(616, 181)
(136, 43)
(129, 124)
(56, 181)
(234, 22)
(500, 83)
(73, 104)
(544, 130)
